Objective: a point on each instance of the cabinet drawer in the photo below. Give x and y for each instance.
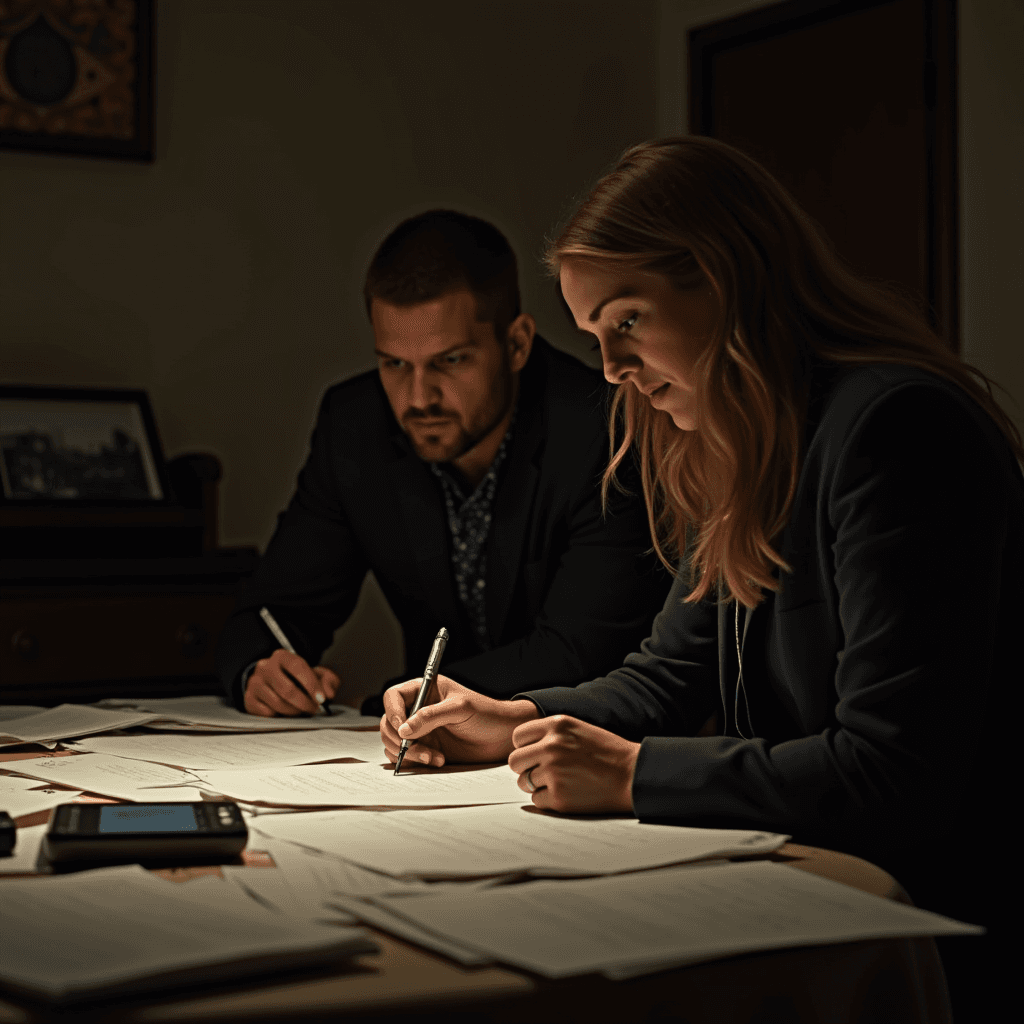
(48, 641)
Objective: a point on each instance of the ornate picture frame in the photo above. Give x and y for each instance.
(77, 78)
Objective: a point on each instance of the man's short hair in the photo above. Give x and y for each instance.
(441, 251)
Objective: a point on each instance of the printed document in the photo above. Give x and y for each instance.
(207, 927)
(505, 839)
(104, 773)
(249, 750)
(626, 925)
(212, 713)
(369, 785)
(67, 720)
(30, 801)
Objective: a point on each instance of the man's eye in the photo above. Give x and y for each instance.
(453, 359)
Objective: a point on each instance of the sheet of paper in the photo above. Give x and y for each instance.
(15, 784)
(305, 881)
(370, 913)
(211, 712)
(249, 750)
(8, 712)
(626, 924)
(350, 785)
(103, 773)
(106, 944)
(162, 794)
(67, 720)
(31, 801)
(504, 839)
(22, 860)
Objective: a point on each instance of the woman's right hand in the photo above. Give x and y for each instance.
(456, 725)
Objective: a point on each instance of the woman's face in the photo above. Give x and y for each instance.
(650, 331)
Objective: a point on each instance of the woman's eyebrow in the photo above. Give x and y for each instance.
(625, 292)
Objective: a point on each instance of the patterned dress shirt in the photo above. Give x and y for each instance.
(469, 522)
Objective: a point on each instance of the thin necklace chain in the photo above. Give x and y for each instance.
(739, 684)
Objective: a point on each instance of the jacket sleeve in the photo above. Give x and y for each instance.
(309, 576)
(914, 514)
(598, 606)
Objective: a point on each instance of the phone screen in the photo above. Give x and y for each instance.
(143, 818)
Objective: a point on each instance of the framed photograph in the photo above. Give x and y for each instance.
(79, 445)
(77, 77)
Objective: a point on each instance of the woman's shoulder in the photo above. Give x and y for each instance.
(889, 407)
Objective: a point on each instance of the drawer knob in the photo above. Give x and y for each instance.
(25, 645)
(193, 640)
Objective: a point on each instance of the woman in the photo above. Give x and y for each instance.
(810, 451)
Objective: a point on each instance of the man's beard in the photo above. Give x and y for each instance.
(431, 449)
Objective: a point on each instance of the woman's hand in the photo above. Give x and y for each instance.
(455, 725)
(575, 767)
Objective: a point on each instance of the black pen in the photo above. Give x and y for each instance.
(286, 644)
(429, 675)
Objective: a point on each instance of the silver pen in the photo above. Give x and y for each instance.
(287, 645)
(429, 675)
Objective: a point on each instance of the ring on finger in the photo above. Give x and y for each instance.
(529, 779)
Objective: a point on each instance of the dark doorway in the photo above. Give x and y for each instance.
(852, 106)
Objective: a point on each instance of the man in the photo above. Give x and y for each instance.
(465, 472)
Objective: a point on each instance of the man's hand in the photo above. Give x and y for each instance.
(575, 767)
(456, 725)
(272, 688)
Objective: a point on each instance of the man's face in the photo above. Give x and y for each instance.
(446, 376)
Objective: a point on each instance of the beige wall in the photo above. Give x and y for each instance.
(225, 278)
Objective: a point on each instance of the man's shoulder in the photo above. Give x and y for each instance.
(569, 387)
(355, 413)
(360, 397)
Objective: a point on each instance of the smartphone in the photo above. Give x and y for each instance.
(128, 833)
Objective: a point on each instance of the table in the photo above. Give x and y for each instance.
(892, 980)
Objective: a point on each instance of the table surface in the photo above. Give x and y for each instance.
(402, 979)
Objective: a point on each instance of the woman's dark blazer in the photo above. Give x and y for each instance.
(881, 675)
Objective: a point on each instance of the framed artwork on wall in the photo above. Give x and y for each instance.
(70, 446)
(77, 77)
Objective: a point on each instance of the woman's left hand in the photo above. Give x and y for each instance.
(575, 767)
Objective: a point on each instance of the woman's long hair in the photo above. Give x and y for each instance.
(724, 492)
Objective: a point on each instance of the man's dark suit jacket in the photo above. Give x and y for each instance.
(570, 592)
(884, 673)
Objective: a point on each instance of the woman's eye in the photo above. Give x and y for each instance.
(628, 323)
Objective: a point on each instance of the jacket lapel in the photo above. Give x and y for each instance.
(513, 505)
(426, 532)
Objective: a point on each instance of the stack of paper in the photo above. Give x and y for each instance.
(470, 842)
(67, 720)
(124, 930)
(210, 713)
(248, 750)
(20, 796)
(366, 785)
(629, 925)
(106, 775)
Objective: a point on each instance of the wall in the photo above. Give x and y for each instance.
(225, 278)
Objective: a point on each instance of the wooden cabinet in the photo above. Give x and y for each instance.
(83, 629)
